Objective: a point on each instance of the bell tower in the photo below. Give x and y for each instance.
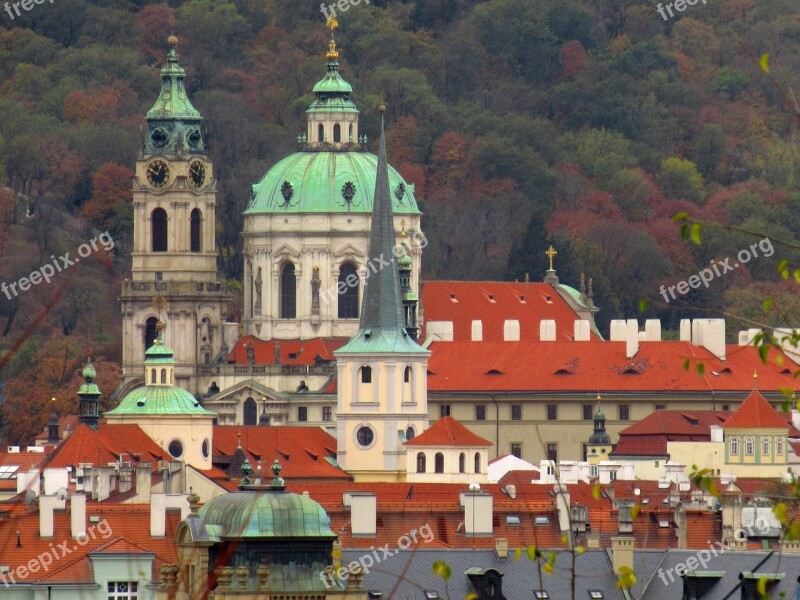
(174, 259)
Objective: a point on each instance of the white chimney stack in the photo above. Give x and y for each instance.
(511, 330)
(547, 330)
(652, 330)
(582, 330)
(631, 338)
(710, 333)
(618, 330)
(477, 330)
(78, 515)
(478, 512)
(47, 505)
(686, 330)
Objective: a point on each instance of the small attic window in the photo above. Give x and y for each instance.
(563, 371)
(725, 370)
(491, 298)
(453, 298)
(548, 299)
(786, 372)
(494, 372)
(141, 402)
(293, 355)
(630, 370)
(522, 300)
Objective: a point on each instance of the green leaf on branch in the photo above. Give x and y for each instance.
(681, 216)
(783, 268)
(764, 62)
(701, 369)
(694, 234)
(643, 305)
(442, 569)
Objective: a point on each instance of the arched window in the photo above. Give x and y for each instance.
(348, 291)
(350, 133)
(439, 463)
(749, 444)
(366, 374)
(734, 446)
(410, 433)
(462, 463)
(288, 292)
(407, 375)
(153, 376)
(477, 462)
(420, 462)
(320, 133)
(337, 133)
(195, 231)
(163, 376)
(250, 412)
(150, 332)
(158, 221)
(765, 449)
(779, 446)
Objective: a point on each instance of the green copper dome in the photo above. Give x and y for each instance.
(159, 400)
(318, 182)
(265, 514)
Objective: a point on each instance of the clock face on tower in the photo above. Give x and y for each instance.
(197, 173)
(158, 173)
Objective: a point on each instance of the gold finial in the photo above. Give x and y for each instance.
(598, 397)
(382, 109)
(332, 23)
(403, 229)
(172, 40)
(755, 380)
(551, 253)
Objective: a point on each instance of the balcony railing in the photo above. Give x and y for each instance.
(249, 370)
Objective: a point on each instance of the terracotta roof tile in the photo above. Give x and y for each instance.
(589, 366)
(448, 432)
(755, 411)
(305, 352)
(492, 303)
(107, 444)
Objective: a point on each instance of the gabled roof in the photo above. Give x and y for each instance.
(755, 412)
(448, 432)
(306, 453)
(492, 303)
(292, 352)
(589, 366)
(66, 425)
(103, 446)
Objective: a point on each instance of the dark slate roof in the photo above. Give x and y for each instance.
(407, 573)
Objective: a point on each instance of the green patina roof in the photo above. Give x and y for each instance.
(317, 179)
(172, 102)
(382, 328)
(159, 400)
(267, 514)
(89, 387)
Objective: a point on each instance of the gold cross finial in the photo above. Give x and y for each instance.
(755, 380)
(551, 253)
(332, 23)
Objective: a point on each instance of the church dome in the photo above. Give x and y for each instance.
(265, 514)
(159, 400)
(327, 182)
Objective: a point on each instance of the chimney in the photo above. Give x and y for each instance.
(478, 513)
(711, 336)
(631, 338)
(622, 551)
(501, 547)
(784, 335)
(618, 330)
(593, 541)
(158, 515)
(54, 480)
(731, 504)
(547, 330)
(78, 515)
(511, 330)
(441, 331)
(144, 481)
(686, 330)
(652, 330)
(29, 480)
(230, 333)
(47, 505)
(477, 330)
(562, 502)
(716, 432)
(363, 513)
(746, 336)
(582, 330)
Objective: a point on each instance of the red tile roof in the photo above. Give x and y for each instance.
(302, 451)
(293, 352)
(448, 432)
(755, 411)
(126, 527)
(589, 366)
(492, 302)
(107, 444)
(66, 424)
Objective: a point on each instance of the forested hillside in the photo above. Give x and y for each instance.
(587, 124)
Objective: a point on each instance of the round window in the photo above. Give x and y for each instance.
(365, 436)
(205, 448)
(175, 449)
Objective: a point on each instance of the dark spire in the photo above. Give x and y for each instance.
(599, 436)
(89, 397)
(52, 426)
(383, 327)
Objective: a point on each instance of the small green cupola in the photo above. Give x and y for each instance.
(159, 362)
(332, 116)
(173, 124)
(89, 397)
(410, 299)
